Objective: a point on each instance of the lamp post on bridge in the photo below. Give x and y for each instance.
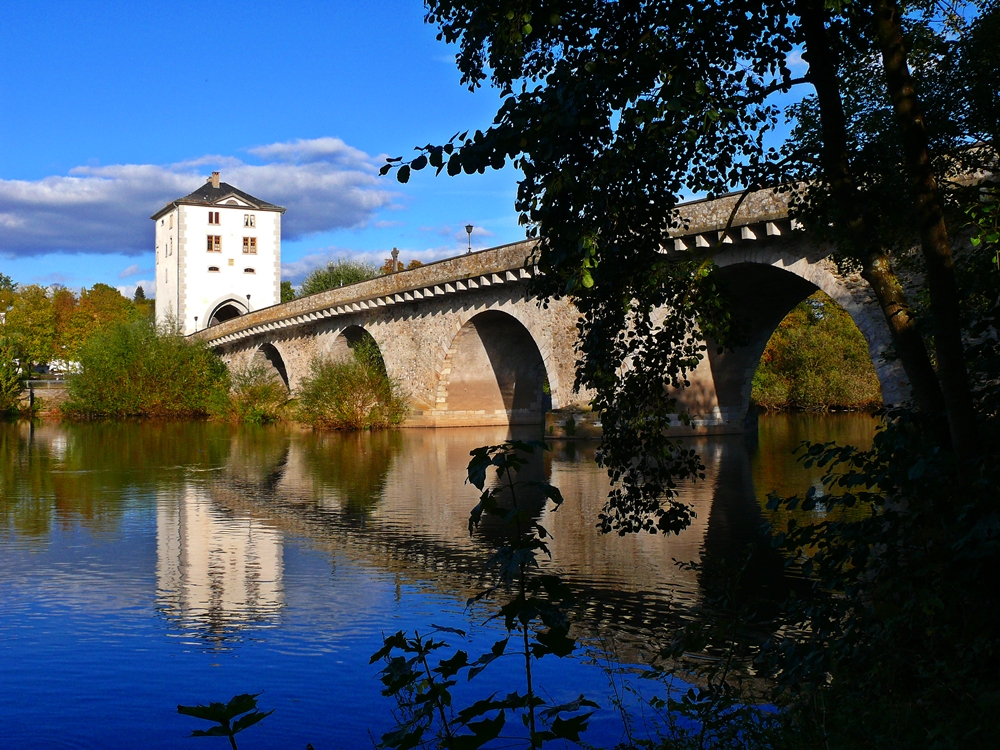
(468, 230)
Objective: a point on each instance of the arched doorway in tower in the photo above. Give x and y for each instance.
(495, 370)
(271, 359)
(226, 310)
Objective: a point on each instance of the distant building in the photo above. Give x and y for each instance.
(218, 255)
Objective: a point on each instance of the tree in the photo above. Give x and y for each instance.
(336, 274)
(64, 304)
(31, 325)
(7, 289)
(612, 111)
(140, 294)
(10, 377)
(287, 291)
(98, 307)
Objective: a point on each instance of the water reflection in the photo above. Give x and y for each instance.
(227, 501)
(216, 572)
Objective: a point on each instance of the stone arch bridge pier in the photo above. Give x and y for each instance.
(471, 346)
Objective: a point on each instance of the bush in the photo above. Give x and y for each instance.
(136, 369)
(351, 394)
(256, 395)
(340, 272)
(816, 359)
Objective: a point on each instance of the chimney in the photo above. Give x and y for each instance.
(215, 179)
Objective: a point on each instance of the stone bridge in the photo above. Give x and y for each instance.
(471, 346)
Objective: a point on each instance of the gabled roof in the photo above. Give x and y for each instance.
(207, 195)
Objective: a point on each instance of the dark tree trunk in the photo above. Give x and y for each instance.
(933, 231)
(876, 266)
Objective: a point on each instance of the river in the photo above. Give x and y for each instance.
(146, 565)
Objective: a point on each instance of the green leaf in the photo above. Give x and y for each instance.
(213, 732)
(250, 719)
(211, 712)
(450, 667)
(569, 729)
(241, 704)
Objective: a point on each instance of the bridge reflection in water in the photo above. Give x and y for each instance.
(397, 502)
(229, 502)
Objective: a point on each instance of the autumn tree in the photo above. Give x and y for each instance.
(31, 324)
(98, 307)
(7, 289)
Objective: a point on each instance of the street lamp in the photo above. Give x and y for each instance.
(196, 322)
(468, 230)
(248, 303)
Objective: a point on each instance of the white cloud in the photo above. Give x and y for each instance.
(795, 62)
(324, 183)
(312, 150)
(130, 271)
(128, 290)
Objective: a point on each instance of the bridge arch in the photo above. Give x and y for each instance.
(225, 308)
(352, 337)
(494, 369)
(268, 355)
(765, 285)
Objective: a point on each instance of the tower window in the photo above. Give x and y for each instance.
(214, 243)
(250, 245)
(249, 220)
(213, 269)
(213, 217)
(249, 270)
(171, 222)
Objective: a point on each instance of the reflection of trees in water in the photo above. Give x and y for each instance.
(87, 474)
(353, 465)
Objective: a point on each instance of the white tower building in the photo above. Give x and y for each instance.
(218, 255)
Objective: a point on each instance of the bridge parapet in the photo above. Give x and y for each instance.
(500, 265)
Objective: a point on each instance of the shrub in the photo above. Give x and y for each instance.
(340, 272)
(352, 394)
(816, 359)
(135, 369)
(256, 395)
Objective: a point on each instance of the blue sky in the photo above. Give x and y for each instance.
(107, 111)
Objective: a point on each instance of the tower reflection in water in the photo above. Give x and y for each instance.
(216, 571)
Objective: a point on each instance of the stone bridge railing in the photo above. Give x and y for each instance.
(499, 265)
(761, 214)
